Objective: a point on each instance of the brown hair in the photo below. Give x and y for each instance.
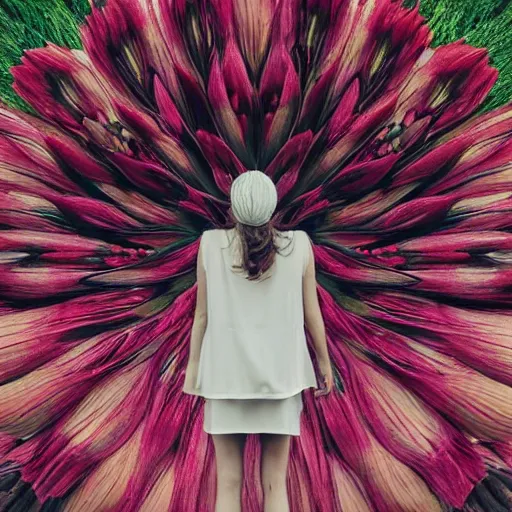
(258, 249)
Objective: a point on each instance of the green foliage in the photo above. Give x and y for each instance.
(28, 24)
(484, 23)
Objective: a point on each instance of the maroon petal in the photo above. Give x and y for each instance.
(167, 108)
(286, 166)
(113, 39)
(225, 165)
(414, 433)
(359, 133)
(479, 339)
(372, 463)
(30, 339)
(360, 177)
(442, 74)
(344, 113)
(64, 87)
(279, 93)
(231, 106)
(413, 214)
(148, 272)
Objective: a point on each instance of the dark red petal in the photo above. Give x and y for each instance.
(113, 38)
(286, 166)
(167, 108)
(225, 165)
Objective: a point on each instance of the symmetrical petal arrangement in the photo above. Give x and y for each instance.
(373, 141)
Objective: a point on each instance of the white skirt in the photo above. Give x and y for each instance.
(253, 415)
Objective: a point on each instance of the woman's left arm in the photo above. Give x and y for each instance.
(198, 326)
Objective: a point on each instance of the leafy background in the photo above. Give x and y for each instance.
(484, 23)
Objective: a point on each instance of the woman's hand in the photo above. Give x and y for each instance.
(328, 380)
(191, 377)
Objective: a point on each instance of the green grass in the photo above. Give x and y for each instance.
(28, 24)
(484, 23)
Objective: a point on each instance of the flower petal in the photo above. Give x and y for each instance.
(231, 106)
(225, 165)
(113, 39)
(286, 166)
(440, 75)
(415, 433)
(64, 87)
(391, 485)
(279, 93)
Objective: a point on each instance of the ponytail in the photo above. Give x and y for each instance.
(258, 249)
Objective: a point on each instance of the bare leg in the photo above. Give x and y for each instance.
(275, 449)
(229, 450)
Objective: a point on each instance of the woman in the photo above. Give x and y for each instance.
(256, 291)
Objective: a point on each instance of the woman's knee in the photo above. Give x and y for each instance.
(273, 479)
(229, 455)
(274, 463)
(229, 479)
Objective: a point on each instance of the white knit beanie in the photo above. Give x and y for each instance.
(253, 198)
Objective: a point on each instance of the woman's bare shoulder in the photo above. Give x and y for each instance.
(215, 231)
(300, 233)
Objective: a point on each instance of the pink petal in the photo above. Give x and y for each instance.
(358, 134)
(231, 121)
(112, 39)
(415, 433)
(225, 164)
(286, 166)
(390, 484)
(279, 93)
(167, 108)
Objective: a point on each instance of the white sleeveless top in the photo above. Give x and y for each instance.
(254, 345)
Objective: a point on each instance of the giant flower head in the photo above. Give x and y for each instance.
(372, 140)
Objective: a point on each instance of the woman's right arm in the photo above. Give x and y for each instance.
(315, 323)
